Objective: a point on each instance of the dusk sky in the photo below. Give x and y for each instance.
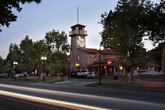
(35, 20)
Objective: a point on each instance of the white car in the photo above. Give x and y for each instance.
(135, 73)
(146, 73)
(82, 73)
(143, 73)
(92, 75)
(4, 74)
(153, 73)
(19, 75)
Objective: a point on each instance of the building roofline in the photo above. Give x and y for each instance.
(80, 25)
(94, 51)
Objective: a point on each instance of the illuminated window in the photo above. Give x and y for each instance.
(78, 57)
(77, 64)
(93, 56)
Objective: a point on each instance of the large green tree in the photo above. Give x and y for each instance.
(40, 49)
(13, 55)
(58, 44)
(1, 65)
(6, 8)
(156, 54)
(26, 55)
(154, 22)
(57, 41)
(123, 31)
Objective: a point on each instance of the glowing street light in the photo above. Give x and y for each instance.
(43, 58)
(14, 64)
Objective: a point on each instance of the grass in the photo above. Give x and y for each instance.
(112, 84)
(53, 81)
(130, 86)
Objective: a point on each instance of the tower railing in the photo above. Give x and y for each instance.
(79, 32)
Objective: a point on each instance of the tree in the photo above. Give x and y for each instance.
(59, 45)
(59, 41)
(40, 49)
(156, 54)
(13, 55)
(1, 65)
(125, 30)
(154, 22)
(26, 55)
(6, 6)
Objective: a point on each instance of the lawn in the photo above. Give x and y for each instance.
(134, 86)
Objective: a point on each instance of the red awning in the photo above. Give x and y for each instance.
(97, 65)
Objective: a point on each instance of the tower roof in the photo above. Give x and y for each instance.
(77, 25)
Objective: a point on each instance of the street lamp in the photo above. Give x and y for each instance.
(43, 58)
(14, 64)
(100, 49)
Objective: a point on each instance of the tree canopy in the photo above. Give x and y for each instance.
(58, 42)
(6, 14)
(126, 26)
(28, 54)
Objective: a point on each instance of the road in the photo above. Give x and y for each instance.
(73, 95)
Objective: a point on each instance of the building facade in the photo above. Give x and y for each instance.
(89, 58)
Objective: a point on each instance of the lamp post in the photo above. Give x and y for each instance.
(100, 49)
(14, 64)
(43, 58)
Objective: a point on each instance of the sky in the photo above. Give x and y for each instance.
(35, 20)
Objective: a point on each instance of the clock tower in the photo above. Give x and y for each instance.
(77, 35)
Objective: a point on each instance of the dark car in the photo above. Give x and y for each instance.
(73, 74)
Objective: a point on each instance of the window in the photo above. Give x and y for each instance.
(92, 56)
(78, 57)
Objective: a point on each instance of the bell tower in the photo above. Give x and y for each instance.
(78, 35)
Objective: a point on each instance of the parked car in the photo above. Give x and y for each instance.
(4, 75)
(21, 75)
(154, 73)
(142, 73)
(73, 74)
(18, 75)
(117, 74)
(135, 73)
(92, 75)
(82, 73)
(147, 73)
